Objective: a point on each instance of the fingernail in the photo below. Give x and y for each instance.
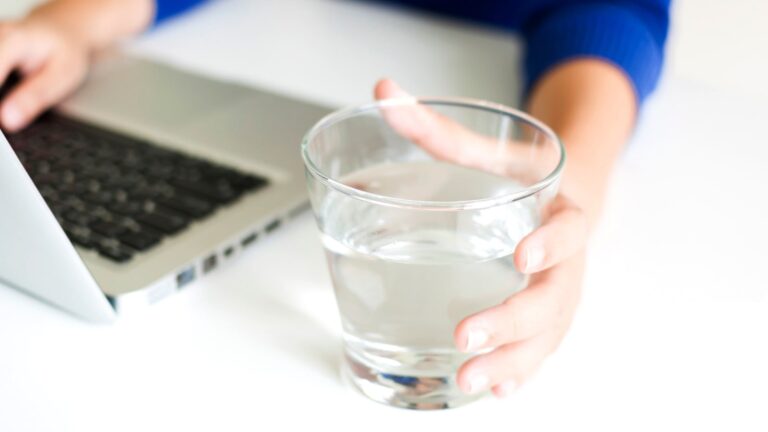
(398, 91)
(506, 388)
(478, 383)
(11, 116)
(534, 259)
(476, 338)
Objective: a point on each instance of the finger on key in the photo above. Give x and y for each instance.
(39, 91)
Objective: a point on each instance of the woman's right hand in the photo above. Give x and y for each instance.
(52, 62)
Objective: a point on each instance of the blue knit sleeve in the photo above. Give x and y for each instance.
(629, 34)
(165, 9)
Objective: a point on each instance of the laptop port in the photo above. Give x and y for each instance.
(185, 276)
(247, 241)
(228, 252)
(210, 263)
(275, 224)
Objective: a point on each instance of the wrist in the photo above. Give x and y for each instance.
(586, 178)
(93, 24)
(591, 105)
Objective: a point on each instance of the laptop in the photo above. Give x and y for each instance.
(145, 180)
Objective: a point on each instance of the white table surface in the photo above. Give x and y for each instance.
(672, 333)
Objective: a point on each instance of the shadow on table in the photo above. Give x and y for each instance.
(272, 314)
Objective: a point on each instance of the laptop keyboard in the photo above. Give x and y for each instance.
(117, 195)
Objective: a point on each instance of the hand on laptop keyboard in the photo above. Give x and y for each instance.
(53, 45)
(54, 61)
(118, 195)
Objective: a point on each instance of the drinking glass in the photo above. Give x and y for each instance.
(420, 204)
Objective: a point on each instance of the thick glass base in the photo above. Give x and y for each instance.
(412, 392)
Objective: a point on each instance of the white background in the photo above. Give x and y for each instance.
(723, 44)
(672, 330)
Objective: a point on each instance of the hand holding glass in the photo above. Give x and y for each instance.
(421, 204)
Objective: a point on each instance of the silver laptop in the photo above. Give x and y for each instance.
(147, 179)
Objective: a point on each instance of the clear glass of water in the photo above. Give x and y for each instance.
(420, 204)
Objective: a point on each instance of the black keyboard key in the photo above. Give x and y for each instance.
(100, 172)
(115, 253)
(247, 182)
(154, 190)
(234, 179)
(163, 221)
(134, 227)
(48, 178)
(96, 211)
(59, 154)
(140, 241)
(75, 203)
(76, 188)
(79, 235)
(158, 171)
(98, 198)
(39, 157)
(108, 229)
(188, 205)
(219, 193)
(40, 167)
(79, 218)
(130, 208)
(84, 242)
(186, 173)
(129, 180)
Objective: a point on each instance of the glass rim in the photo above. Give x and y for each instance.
(473, 204)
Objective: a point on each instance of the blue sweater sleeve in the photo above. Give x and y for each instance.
(165, 9)
(628, 34)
